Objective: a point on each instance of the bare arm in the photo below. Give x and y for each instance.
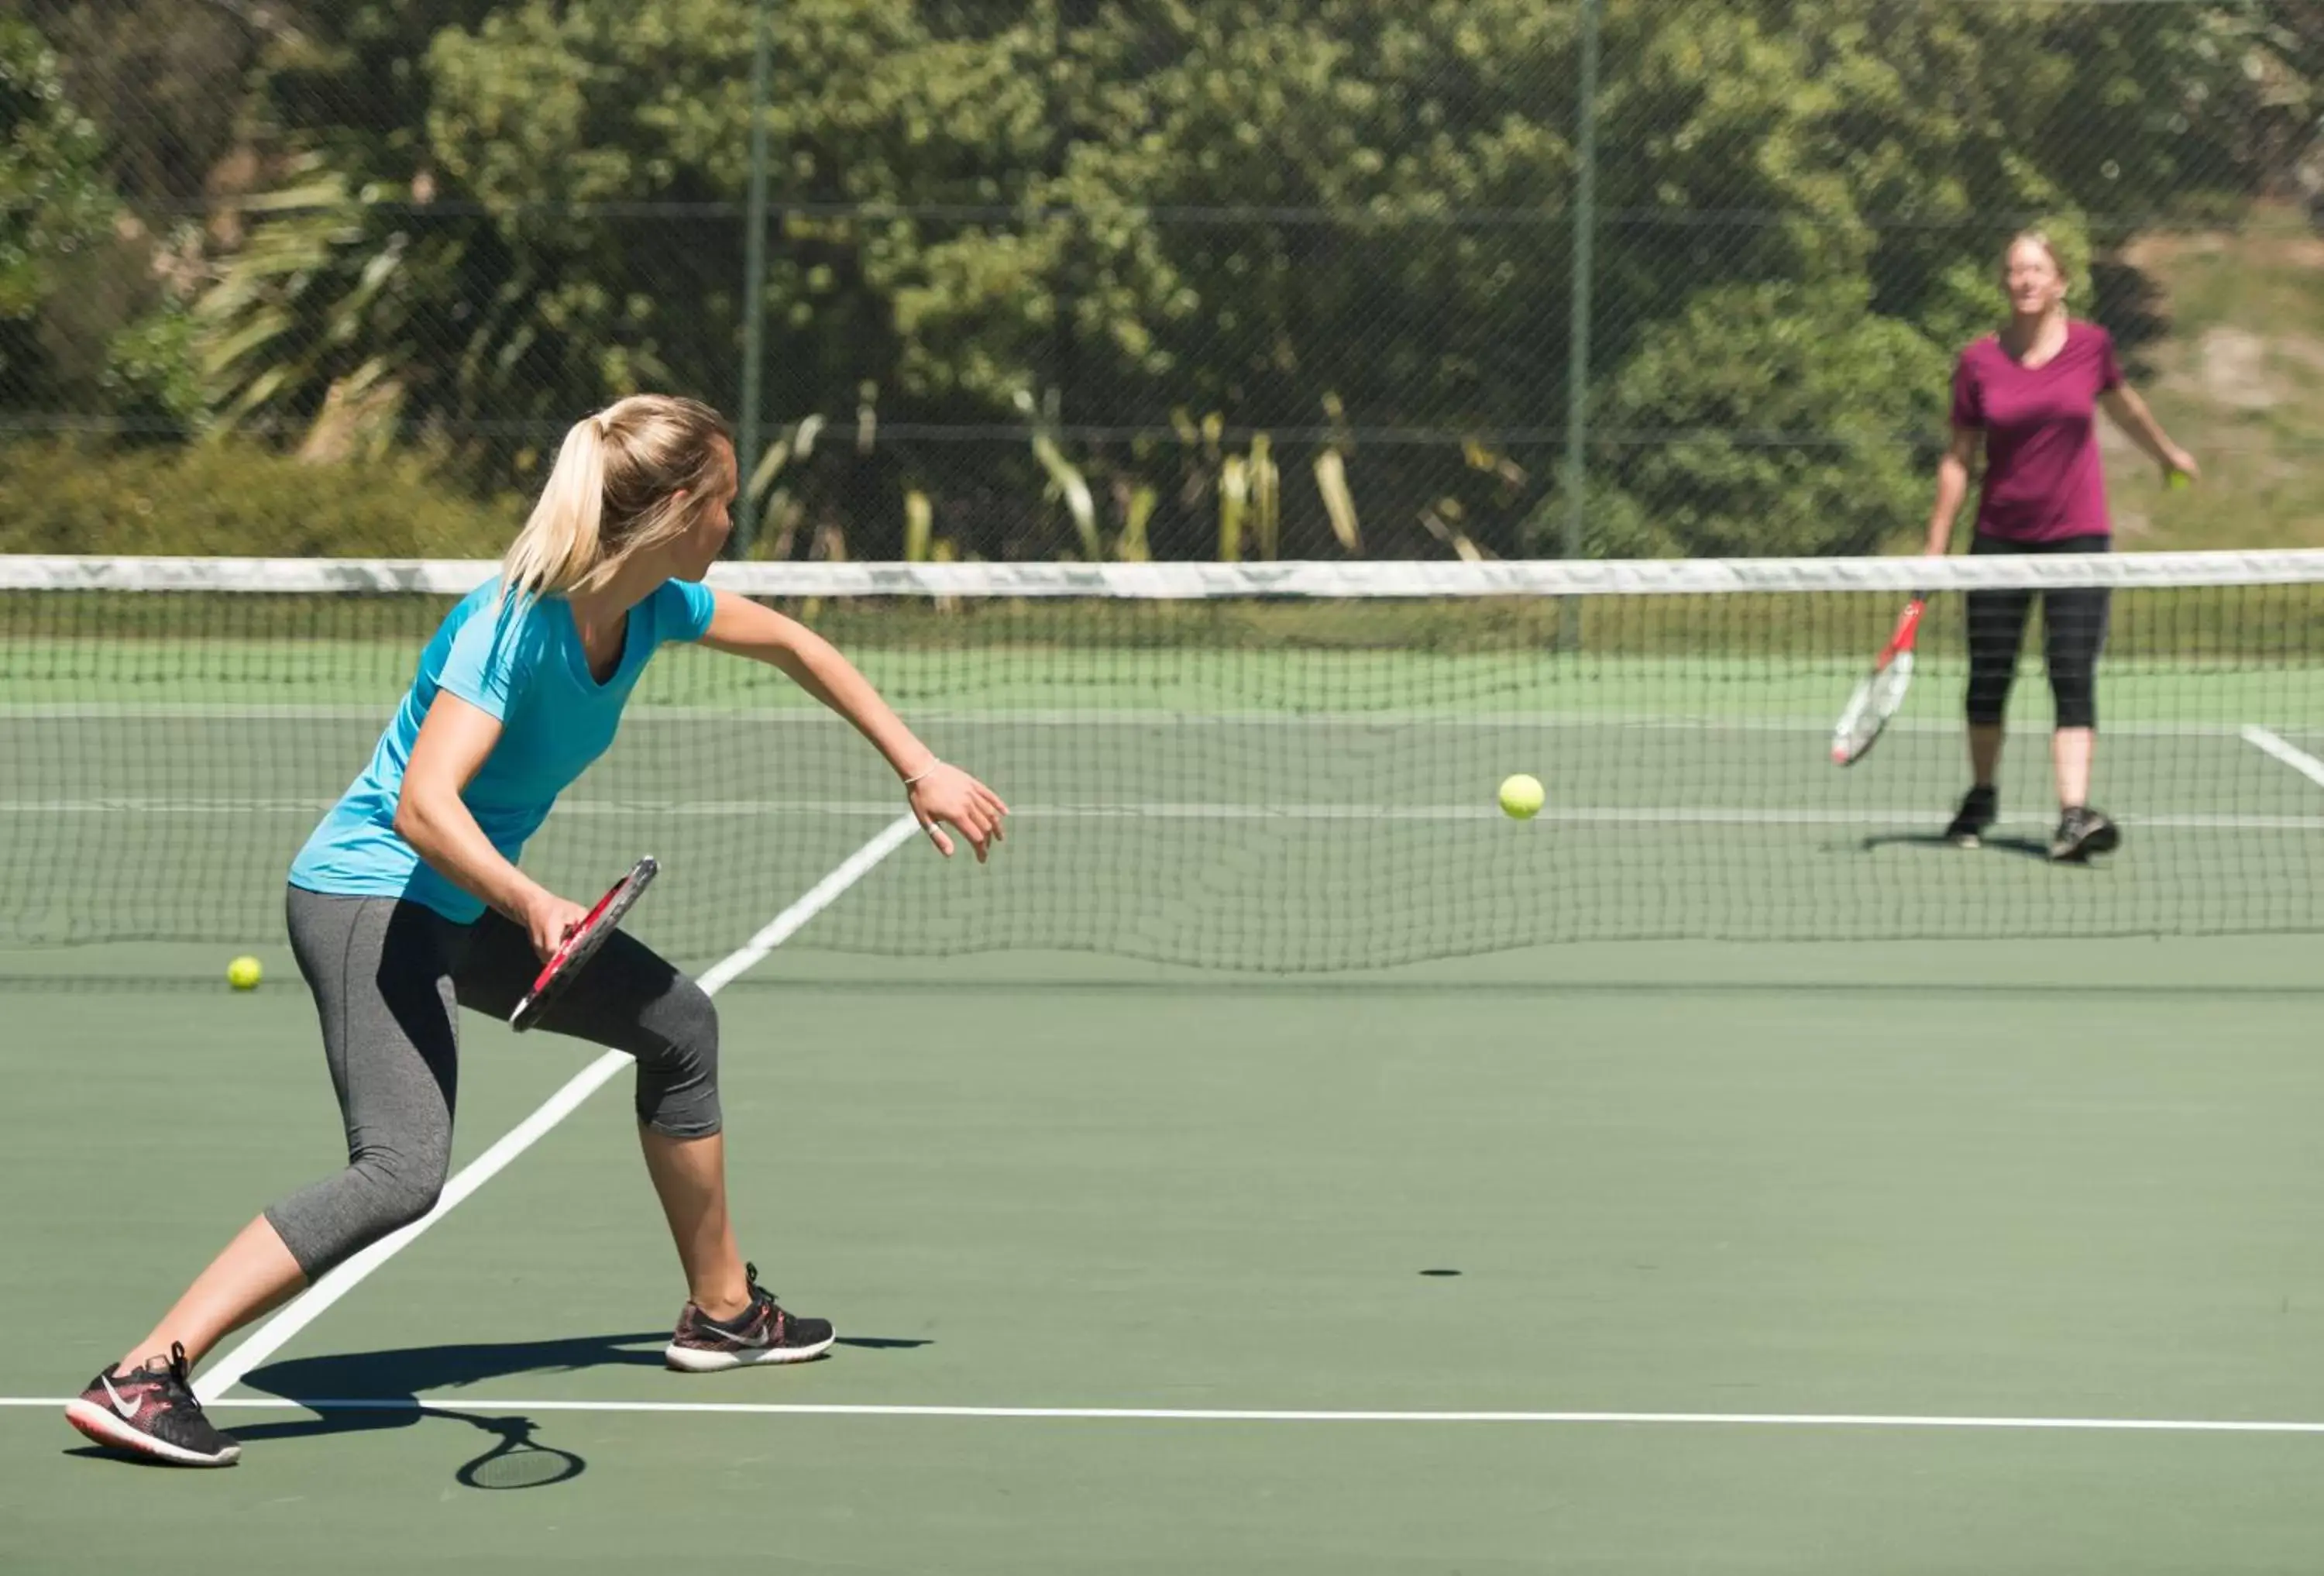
(453, 745)
(2130, 413)
(938, 792)
(1953, 487)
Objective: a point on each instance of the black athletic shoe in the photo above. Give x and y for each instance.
(761, 1332)
(151, 1411)
(2083, 832)
(1979, 808)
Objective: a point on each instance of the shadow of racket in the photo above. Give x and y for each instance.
(517, 1459)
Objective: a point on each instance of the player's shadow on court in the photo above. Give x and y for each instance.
(2002, 843)
(380, 1390)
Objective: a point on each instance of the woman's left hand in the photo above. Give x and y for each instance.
(945, 796)
(2178, 462)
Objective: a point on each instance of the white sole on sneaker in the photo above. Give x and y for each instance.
(106, 1429)
(691, 1360)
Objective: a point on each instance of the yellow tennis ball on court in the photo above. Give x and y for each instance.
(243, 973)
(1521, 797)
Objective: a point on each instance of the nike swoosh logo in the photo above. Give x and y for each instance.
(128, 1409)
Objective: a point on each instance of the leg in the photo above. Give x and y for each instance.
(631, 1000)
(252, 1275)
(376, 968)
(2071, 750)
(1996, 628)
(2073, 632)
(689, 1178)
(1984, 753)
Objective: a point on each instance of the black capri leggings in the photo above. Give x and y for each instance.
(2073, 632)
(389, 979)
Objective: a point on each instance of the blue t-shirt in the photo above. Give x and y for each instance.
(526, 666)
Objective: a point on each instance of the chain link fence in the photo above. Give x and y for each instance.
(1087, 280)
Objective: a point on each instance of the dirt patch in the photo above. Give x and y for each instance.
(2231, 368)
(2276, 237)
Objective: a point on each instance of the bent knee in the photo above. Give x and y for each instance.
(399, 1200)
(678, 1086)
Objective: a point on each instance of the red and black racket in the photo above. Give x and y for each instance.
(582, 943)
(1880, 692)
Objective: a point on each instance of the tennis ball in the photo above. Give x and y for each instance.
(2181, 480)
(243, 973)
(1521, 797)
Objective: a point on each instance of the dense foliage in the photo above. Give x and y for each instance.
(1184, 276)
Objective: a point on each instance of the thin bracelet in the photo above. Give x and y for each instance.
(932, 765)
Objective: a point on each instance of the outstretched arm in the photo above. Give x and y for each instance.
(2130, 413)
(940, 794)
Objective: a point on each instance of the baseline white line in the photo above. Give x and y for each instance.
(494, 1404)
(270, 1337)
(2268, 741)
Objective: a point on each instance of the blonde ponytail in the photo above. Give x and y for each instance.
(615, 491)
(562, 543)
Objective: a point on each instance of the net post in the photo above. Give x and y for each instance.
(1577, 374)
(754, 280)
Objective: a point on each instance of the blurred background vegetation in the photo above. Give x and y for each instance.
(1090, 278)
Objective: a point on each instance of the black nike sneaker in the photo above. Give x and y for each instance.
(152, 1412)
(1979, 808)
(2081, 833)
(761, 1332)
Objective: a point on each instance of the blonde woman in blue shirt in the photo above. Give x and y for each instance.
(408, 904)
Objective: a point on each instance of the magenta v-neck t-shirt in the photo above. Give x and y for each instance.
(2043, 479)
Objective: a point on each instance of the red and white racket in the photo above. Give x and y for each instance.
(582, 943)
(1880, 692)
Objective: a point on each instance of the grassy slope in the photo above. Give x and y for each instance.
(2238, 376)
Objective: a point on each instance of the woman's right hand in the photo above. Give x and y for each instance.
(548, 920)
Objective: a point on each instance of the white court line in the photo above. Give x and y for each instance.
(1570, 815)
(270, 1337)
(1836, 1420)
(2268, 741)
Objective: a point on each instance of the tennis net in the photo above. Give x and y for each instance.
(1278, 767)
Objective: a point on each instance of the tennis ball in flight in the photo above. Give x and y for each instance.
(243, 973)
(1521, 797)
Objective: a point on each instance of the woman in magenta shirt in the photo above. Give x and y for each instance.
(2029, 396)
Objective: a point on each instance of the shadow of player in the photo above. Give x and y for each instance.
(376, 1390)
(1993, 842)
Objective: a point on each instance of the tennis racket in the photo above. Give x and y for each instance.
(582, 944)
(1880, 692)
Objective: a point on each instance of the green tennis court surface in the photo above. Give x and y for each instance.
(1952, 1212)
(2015, 1183)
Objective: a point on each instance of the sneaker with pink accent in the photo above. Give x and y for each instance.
(152, 1412)
(763, 1332)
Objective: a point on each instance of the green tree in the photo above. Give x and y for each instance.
(54, 203)
(1772, 418)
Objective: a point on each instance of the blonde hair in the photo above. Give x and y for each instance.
(2064, 248)
(614, 492)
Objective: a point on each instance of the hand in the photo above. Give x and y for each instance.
(2178, 462)
(947, 795)
(548, 920)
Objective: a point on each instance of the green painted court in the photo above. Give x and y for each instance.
(2018, 1183)
(1275, 1160)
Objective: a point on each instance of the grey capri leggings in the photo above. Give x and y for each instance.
(389, 978)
